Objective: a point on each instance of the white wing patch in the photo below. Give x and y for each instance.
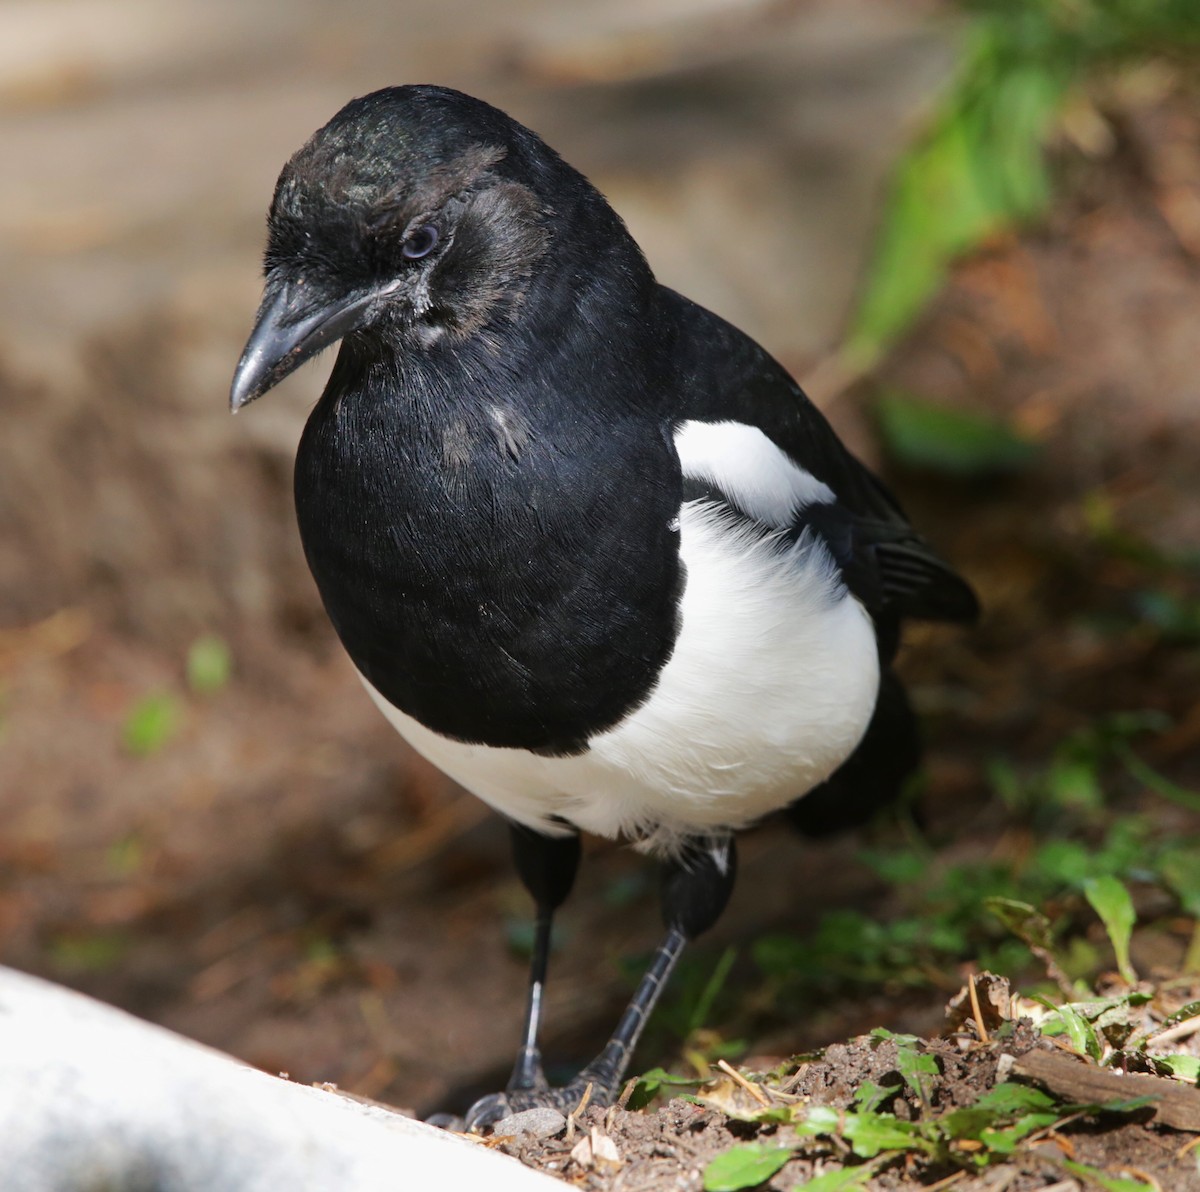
(771, 684)
(758, 477)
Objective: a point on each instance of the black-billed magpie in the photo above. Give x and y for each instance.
(592, 550)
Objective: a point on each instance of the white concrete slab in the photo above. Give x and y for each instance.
(91, 1097)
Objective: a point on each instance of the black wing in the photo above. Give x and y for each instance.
(887, 564)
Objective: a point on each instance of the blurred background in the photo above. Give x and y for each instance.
(972, 230)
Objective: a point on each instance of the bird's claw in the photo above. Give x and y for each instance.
(487, 1111)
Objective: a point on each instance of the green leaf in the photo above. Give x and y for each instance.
(820, 1119)
(1191, 1010)
(1064, 862)
(1069, 1021)
(913, 1064)
(871, 1133)
(1009, 1098)
(96, 952)
(124, 857)
(1110, 1183)
(978, 167)
(901, 1040)
(651, 1083)
(922, 434)
(1074, 782)
(1115, 1018)
(1026, 922)
(1032, 1108)
(869, 1096)
(1152, 780)
(1179, 870)
(899, 866)
(1181, 1067)
(1007, 784)
(836, 1181)
(712, 987)
(209, 664)
(1003, 1140)
(1110, 900)
(917, 1069)
(151, 723)
(744, 1167)
(1127, 1105)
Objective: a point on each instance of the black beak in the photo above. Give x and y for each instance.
(289, 332)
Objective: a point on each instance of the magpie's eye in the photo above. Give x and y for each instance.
(421, 243)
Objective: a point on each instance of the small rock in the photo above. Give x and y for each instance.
(532, 1123)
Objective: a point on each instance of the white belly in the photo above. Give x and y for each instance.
(770, 687)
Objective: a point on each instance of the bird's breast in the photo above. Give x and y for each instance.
(498, 581)
(770, 687)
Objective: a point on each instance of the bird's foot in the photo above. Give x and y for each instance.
(598, 1087)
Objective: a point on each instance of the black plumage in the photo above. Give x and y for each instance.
(515, 536)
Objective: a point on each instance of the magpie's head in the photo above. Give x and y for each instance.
(417, 215)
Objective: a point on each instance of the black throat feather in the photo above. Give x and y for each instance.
(467, 516)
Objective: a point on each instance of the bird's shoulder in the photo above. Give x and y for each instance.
(747, 435)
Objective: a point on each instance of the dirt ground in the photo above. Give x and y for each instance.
(284, 880)
(669, 1149)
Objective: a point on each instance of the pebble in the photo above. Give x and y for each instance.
(532, 1123)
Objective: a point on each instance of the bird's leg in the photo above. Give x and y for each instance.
(547, 867)
(527, 1071)
(607, 1070)
(695, 889)
(697, 883)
